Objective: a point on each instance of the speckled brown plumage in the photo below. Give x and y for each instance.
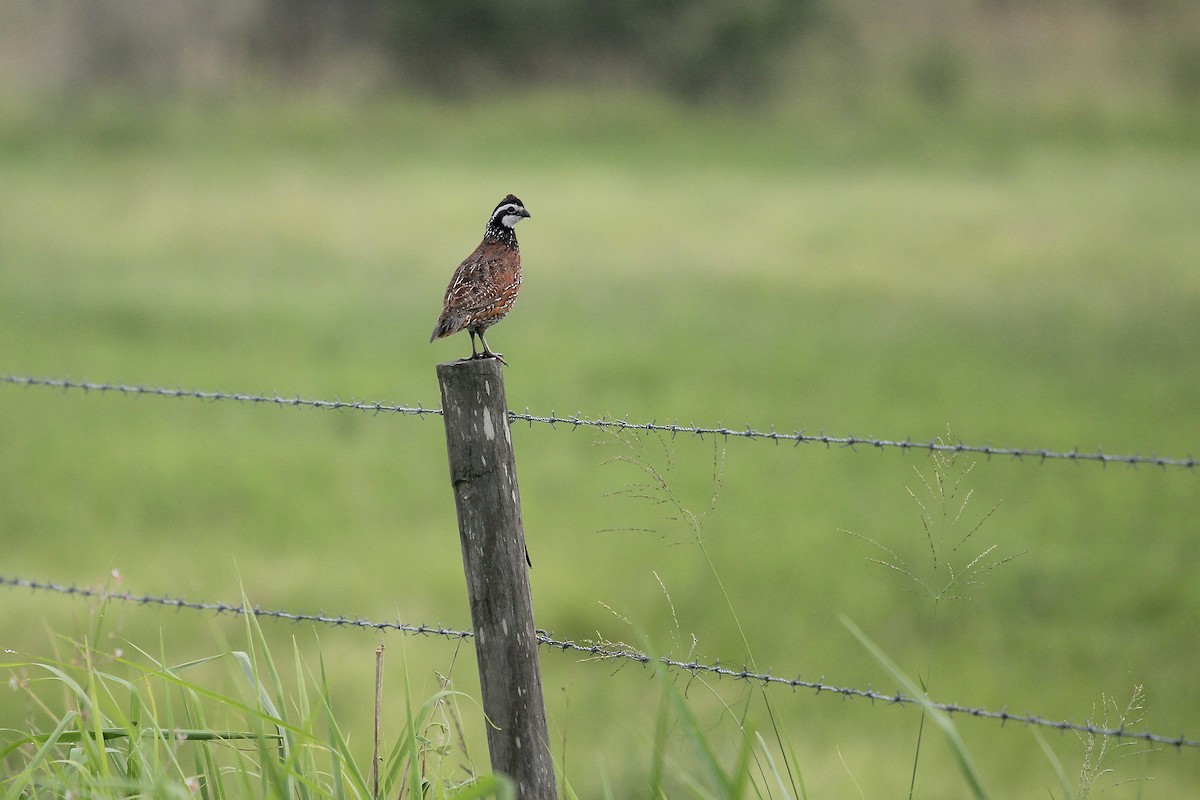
(485, 285)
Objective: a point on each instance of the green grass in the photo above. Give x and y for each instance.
(1029, 282)
(134, 726)
(110, 725)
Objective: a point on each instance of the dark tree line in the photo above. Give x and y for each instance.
(691, 47)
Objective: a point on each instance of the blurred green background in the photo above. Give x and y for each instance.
(853, 217)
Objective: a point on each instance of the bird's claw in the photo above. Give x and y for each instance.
(477, 356)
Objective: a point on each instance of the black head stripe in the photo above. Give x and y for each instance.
(510, 200)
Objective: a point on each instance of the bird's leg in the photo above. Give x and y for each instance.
(487, 351)
(474, 353)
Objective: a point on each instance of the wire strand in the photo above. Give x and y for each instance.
(573, 422)
(602, 652)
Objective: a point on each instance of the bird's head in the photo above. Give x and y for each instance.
(508, 213)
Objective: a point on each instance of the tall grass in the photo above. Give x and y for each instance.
(108, 725)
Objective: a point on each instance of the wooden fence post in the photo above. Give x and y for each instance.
(484, 477)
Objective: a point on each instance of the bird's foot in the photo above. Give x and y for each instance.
(477, 356)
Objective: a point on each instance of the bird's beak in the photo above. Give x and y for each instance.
(525, 213)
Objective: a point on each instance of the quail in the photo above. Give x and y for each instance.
(485, 285)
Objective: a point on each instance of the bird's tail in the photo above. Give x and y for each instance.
(446, 325)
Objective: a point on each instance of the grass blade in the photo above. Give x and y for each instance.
(966, 764)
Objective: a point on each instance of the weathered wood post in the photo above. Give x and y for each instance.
(484, 477)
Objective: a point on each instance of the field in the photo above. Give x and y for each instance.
(1017, 281)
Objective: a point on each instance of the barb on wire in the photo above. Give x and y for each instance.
(575, 422)
(604, 653)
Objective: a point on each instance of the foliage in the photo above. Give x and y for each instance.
(1079, 57)
(690, 48)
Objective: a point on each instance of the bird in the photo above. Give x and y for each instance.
(485, 285)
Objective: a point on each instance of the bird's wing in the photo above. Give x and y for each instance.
(477, 283)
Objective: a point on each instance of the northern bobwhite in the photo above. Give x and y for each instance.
(485, 285)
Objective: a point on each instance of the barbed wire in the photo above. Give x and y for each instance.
(195, 394)
(603, 652)
(608, 423)
(227, 608)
